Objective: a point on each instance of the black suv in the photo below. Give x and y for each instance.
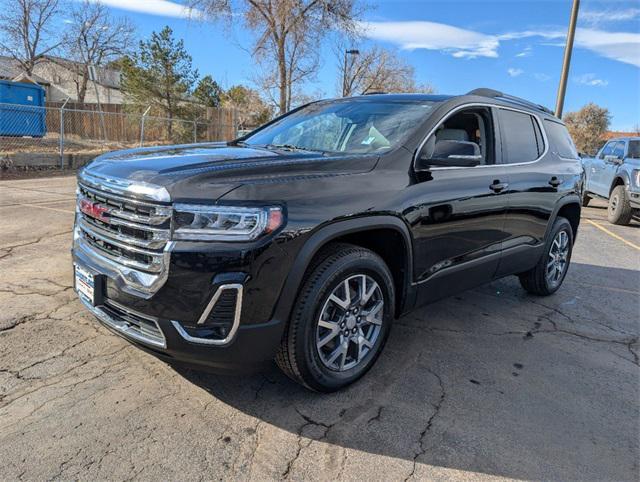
(304, 239)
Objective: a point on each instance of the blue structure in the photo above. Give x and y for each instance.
(22, 110)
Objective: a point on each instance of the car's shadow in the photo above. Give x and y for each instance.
(481, 382)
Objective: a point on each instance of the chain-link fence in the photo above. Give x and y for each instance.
(37, 135)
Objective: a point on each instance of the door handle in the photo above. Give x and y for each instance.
(555, 182)
(498, 186)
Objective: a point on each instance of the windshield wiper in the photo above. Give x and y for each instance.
(291, 147)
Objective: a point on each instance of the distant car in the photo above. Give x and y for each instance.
(614, 174)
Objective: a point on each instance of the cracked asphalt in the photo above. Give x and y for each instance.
(489, 384)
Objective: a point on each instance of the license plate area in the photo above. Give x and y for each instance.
(88, 284)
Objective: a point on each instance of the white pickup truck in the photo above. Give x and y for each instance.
(614, 174)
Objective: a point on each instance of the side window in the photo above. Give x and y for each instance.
(559, 139)
(472, 126)
(634, 150)
(521, 138)
(606, 150)
(618, 149)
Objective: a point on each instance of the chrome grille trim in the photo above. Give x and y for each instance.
(161, 214)
(125, 187)
(157, 257)
(157, 242)
(129, 330)
(120, 226)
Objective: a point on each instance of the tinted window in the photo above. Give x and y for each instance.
(560, 141)
(634, 150)
(519, 139)
(353, 126)
(606, 150)
(618, 150)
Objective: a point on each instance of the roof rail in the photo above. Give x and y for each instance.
(484, 92)
(374, 92)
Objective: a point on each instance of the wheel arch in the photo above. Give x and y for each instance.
(570, 208)
(621, 179)
(371, 232)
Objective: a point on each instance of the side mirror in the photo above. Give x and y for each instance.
(613, 159)
(449, 153)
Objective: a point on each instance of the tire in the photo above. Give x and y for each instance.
(538, 281)
(323, 294)
(619, 210)
(585, 199)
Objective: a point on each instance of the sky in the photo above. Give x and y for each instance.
(515, 46)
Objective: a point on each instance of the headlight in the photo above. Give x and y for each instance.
(636, 177)
(198, 222)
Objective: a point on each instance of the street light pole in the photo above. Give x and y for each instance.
(566, 62)
(344, 73)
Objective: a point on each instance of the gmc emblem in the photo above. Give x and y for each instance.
(93, 209)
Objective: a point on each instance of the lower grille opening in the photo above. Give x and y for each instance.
(145, 329)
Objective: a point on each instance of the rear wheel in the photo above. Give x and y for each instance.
(619, 211)
(547, 276)
(340, 321)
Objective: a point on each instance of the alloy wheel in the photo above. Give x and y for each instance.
(350, 322)
(558, 259)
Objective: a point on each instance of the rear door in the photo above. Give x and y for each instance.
(535, 176)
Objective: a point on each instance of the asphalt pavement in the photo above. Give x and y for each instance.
(493, 383)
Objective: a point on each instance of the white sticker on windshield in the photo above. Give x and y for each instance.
(368, 140)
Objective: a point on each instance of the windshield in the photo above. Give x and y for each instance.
(351, 127)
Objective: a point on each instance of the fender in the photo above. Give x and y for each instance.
(621, 174)
(333, 231)
(568, 199)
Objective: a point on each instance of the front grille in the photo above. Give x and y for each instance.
(128, 231)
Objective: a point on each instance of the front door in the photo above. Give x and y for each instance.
(457, 213)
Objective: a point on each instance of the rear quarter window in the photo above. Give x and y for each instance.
(560, 141)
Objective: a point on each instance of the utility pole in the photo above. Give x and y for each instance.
(344, 74)
(566, 62)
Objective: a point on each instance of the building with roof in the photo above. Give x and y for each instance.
(60, 78)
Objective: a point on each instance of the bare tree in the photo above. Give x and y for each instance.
(27, 31)
(287, 35)
(95, 38)
(377, 70)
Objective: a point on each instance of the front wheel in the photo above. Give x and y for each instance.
(546, 277)
(341, 319)
(619, 211)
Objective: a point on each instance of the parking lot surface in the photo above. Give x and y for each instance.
(492, 383)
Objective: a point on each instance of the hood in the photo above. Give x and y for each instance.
(208, 171)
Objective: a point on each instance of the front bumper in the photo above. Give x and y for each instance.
(196, 276)
(252, 348)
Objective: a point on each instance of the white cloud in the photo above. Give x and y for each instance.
(526, 52)
(597, 17)
(458, 42)
(621, 46)
(541, 77)
(591, 80)
(163, 8)
(514, 72)
(463, 43)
